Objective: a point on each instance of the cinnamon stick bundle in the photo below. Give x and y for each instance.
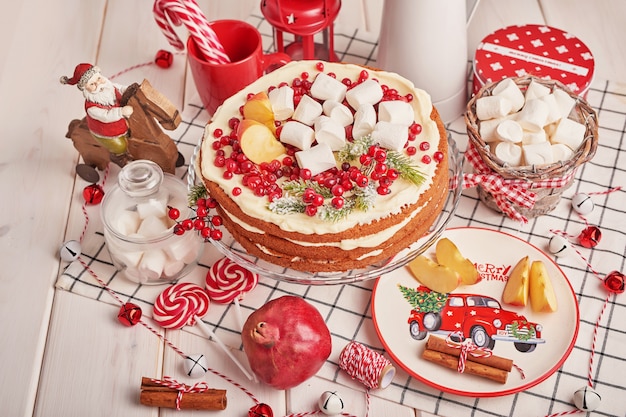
(452, 362)
(493, 367)
(156, 395)
(439, 345)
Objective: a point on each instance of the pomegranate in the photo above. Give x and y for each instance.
(286, 342)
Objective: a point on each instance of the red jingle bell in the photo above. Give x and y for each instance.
(261, 410)
(615, 282)
(129, 314)
(93, 194)
(590, 237)
(164, 58)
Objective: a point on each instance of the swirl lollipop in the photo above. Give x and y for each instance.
(181, 305)
(228, 282)
(184, 304)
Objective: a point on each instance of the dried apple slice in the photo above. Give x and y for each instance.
(516, 288)
(542, 296)
(258, 142)
(436, 277)
(448, 254)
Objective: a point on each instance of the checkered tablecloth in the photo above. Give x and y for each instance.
(346, 308)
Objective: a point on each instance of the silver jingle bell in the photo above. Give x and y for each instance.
(196, 365)
(330, 403)
(587, 399)
(582, 204)
(70, 251)
(558, 245)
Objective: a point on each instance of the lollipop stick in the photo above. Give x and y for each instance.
(212, 335)
(238, 313)
(240, 321)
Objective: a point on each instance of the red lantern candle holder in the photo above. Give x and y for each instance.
(303, 19)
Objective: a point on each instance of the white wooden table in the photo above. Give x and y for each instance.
(58, 354)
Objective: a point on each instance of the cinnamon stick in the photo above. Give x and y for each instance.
(156, 395)
(438, 344)
(452, 362)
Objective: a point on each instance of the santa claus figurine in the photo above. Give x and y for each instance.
(106, 117)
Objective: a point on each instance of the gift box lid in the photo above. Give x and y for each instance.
(539, 50)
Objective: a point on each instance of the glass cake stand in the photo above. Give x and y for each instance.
(235, 252)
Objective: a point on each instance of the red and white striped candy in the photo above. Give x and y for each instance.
(179, 305)
(227, 281)
(188, 12)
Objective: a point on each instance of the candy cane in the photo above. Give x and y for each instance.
(209, 42)
(188, 13)
(193, 18)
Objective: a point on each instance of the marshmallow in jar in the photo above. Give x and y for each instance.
(137, 230)
(531, 127)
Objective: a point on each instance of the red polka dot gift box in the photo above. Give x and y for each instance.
(538, 50)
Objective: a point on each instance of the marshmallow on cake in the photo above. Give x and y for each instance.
(531, 127)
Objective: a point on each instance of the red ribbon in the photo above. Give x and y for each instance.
(507, 192)
(170, 382)
(467, 347)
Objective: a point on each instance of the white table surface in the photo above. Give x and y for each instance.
(64, 354)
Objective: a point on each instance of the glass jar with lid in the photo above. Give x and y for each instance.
(138, 231)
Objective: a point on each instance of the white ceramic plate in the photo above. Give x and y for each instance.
(495, 253)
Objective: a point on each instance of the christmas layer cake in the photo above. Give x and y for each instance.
(326, 167)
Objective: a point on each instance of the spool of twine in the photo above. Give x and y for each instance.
(366, 366)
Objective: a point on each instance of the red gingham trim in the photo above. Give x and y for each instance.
(507, 192)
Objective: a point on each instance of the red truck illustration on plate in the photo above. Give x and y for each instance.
(477, 317)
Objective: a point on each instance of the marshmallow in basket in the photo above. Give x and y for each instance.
(530, 128)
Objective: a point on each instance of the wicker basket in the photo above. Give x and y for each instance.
(547, 198)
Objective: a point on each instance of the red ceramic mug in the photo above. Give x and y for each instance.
(244, 46)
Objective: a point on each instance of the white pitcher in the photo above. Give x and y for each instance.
(425, 41)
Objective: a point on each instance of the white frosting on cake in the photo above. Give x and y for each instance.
(369, 241)
(403, 193)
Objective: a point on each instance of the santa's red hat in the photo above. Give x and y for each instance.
(82, 74)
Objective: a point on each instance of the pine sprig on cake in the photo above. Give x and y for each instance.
(330, 213)
(364, 197)
(367, 152)
(299, 186)
(353, 150)
(402, 164)
(301, 194)
(287, 205)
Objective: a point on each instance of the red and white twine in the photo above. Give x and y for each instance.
(171, 383)
(188, 12)
(466, 347)
(363, 364)
(604, 306)
(84, 206)
(507, 192)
